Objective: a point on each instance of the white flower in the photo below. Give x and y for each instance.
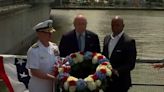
(94, 60)
(70, 78)
(98, 68)
(101, 90)
(60, 70)
(75, 60)
(109, 72)
(80, 57)
(109, 66)
(101, 67)
(88, 79)
(98, 54)
(91, 85)
(72, 88)
(66, 85)
(98, 83)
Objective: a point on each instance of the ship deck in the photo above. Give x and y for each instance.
(147, 79)
(144, 78)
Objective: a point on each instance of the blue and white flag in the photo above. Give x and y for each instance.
(14, 73)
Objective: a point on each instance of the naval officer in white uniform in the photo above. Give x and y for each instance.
(41, 57)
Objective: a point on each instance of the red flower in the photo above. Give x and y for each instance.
(67, 69)
(104, 63)
(103, 71)
(73, 55)
(64, 78)
(82, 53)
(56, 71)
(64, 61)
(72, 83)
(94, 53)
(95, 77)
(100, 57)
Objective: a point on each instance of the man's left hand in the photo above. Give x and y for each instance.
(115, 72)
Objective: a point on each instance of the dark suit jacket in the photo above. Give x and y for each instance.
(69, 44)
(122, 59)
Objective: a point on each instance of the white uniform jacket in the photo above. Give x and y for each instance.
(42, 58)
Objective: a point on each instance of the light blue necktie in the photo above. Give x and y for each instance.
(81, 42)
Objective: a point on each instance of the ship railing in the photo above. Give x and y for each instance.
(12, 2)
(145, 78)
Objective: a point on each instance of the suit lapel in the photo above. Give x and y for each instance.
(74, 39)
(87, 40)
(107, 43)
(108, 40)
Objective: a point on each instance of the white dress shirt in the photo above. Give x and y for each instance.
(113, 41)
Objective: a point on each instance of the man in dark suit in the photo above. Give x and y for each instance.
(79, 39)
(70, 41)
(121, 51)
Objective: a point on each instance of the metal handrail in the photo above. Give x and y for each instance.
(12, 2)
(148, 61)
(148, 84)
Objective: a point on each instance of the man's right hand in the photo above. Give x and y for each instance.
(158, 66)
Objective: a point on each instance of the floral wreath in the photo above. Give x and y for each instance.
(93, 81)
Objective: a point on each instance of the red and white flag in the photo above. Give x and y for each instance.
(14, 73)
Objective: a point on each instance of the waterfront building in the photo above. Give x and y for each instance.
(135, 3)
(16, 22)
(127, 3)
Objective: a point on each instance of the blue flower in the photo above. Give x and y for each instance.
(62, 75)
(100, 75)
(88, 55)
(70, 60)
(103, 60)
(81, 84)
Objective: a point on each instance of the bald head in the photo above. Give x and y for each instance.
(117, 25)
(80, 17)
(118, 19)
(80, 23)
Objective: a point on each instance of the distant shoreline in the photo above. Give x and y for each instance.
(109, 8)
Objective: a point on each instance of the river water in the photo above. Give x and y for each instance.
(147, 27)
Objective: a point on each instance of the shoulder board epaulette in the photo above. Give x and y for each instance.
(35, 45)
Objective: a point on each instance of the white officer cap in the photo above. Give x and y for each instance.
(45, 26)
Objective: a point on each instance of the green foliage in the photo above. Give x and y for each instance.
(83, 69)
